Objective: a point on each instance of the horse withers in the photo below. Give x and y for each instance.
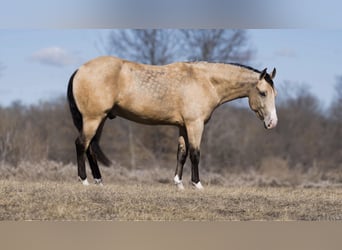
(181, 94)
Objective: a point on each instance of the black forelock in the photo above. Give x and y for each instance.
(269, 80)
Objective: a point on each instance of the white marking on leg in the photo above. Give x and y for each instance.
(198, 185)
(176, 179)
(98, 182)
(178, 182)
(85, 182)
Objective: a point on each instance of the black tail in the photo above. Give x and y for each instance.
(75, 113)
(78, 121)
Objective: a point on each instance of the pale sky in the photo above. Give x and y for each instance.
(43, 42)
(37, 64)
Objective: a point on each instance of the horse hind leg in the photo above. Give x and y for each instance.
(93, 165)
(96, 147)
(83, 146)
(182, 153)
(95, 153)
(80, 150)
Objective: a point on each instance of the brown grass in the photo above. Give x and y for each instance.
(20, 200)
(273, 172)
(50, 191)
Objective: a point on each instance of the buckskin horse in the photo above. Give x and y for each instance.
(182, 94)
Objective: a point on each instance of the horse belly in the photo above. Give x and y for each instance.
(148, 111)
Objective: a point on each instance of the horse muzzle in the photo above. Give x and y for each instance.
(271, 121)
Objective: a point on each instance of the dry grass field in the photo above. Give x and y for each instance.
(72, 201)
(50, 191)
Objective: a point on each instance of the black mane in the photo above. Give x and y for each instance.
(267, 76)
(246, 67)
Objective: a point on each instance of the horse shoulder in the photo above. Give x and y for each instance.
(199, 101)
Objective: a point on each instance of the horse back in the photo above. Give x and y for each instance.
(143, 93)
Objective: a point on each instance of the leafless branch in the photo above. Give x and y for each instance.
(217, 45)
(152, 46)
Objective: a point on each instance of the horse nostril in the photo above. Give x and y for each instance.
(272, 123)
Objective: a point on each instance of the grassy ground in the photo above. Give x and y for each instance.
(21, 200)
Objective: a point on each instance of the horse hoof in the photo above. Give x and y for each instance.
(198, 185)
(178, 183)
(84, 182)
(180, 186)
(98, 182)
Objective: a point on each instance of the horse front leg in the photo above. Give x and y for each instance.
(182, 153)
(194, 132)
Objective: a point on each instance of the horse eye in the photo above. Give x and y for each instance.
(262, 93)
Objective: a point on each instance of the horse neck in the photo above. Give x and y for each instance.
(231, 81)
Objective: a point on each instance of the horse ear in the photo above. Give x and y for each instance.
(273, 73)
(263, 73)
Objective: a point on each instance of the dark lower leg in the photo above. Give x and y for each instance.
(194, 157)
(80, 150)
(181, 158)
(93, 163)
(182, 152)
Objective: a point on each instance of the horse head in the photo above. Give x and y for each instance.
(262, 99)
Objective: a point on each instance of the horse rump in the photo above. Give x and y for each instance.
(78, 122)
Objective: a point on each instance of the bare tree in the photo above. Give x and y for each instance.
(217, 45)
(335, 130)
(151, 46)
(336, 106)
(307, 137)
(161, 46)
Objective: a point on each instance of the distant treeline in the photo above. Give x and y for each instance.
(306, 136)
(234, 139)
